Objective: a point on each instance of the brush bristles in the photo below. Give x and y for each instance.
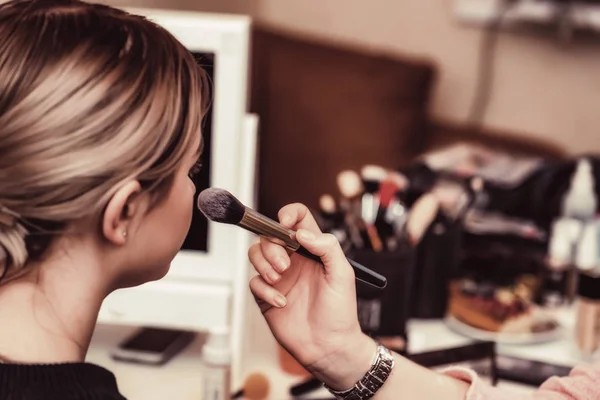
(373, 173)
(327, 203)
(398, 179)
(349, 184)
(219, 205)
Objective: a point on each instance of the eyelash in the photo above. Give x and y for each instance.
(195, 170)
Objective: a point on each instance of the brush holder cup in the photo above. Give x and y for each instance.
(437, 257)
(383, 313)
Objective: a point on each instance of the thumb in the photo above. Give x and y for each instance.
(328, 249)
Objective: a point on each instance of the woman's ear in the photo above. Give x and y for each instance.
(120, 211)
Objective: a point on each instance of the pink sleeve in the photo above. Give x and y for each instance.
(583, 383)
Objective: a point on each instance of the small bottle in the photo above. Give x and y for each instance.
(563, 235)
(216, 359)
(586, 257)
(580, 200)
(588, 315)
(557, 278)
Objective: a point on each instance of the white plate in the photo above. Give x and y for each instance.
(507, 338)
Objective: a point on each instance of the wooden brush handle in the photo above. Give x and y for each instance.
(376, 242)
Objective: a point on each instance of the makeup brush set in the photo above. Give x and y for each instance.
(383, 210)
(370, 213)
(370, 220)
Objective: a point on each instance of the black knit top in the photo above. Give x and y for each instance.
(68, 381)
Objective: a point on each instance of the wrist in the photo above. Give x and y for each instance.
(343, 367)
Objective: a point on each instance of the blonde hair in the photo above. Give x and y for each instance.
(90, 96)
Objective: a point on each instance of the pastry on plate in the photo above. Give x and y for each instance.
(498, 309)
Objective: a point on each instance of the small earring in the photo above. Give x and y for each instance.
(124, 233)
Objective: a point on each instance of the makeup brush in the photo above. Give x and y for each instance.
(350, 187)
(422, 215)
(334, 220)
(327, 204)
(389, 194)
(330, 212)
(393, 183)
(372, 176)
(303, 388)
(256, 387)
(219, 205)
(396, 213)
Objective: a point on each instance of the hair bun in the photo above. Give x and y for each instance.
(3, 255)
(13, 249)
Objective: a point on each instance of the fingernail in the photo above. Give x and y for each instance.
(280, 301)
(281, 264)
(306, 235)
(273, 276)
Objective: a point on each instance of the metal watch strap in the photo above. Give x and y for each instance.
(372, 381)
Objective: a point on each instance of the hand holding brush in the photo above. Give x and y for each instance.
(309, 306)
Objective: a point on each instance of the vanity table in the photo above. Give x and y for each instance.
(180, 378)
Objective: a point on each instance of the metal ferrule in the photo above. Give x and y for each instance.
(272, 230)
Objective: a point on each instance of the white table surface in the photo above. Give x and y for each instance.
(180, 379)
(430, 335)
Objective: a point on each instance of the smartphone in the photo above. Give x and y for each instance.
(529, 372)
(478, 356)
(152, 346)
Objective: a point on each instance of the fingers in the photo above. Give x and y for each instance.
(327, 247)
(298, 216)
(269, 259)
(275, 254)
(266, 295)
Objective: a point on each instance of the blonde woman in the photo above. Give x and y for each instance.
(99, 131)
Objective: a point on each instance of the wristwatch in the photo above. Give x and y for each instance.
(373, 380)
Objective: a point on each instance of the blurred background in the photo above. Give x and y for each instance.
(543, 88)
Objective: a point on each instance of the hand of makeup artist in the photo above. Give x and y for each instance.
(311, 310)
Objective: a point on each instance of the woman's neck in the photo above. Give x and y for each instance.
(48, 316)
